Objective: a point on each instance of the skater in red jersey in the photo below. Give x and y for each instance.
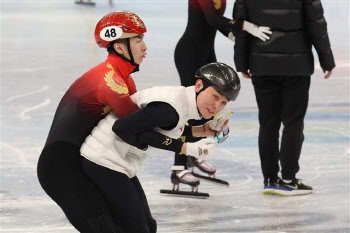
(104, 88)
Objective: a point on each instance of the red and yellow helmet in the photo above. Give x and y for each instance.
(118, 25)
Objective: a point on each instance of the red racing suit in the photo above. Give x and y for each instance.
(106, 87)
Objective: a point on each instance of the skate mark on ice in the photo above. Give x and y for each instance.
(324, 170)
(20, 157)
(234, 156)
(248, 180)
(335, 131)
(44, 88)
(322, 147)
(33, 108)
(28, 69)
(43, 229)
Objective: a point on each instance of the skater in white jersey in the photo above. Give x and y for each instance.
(116, 148)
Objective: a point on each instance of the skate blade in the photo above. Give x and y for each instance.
(214, 180)
(86, 3)
(185, 193)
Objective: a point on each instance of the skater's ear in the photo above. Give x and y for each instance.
(198, 85)
(120, 47)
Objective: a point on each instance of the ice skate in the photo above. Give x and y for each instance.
(181, 175)
(86, 3)
(184, 177)
(205, 167)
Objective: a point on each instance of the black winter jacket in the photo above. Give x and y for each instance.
(296, 25)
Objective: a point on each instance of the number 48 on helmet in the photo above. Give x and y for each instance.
(118, 25)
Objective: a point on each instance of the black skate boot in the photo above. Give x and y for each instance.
(295, 187)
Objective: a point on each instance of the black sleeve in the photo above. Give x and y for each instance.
(187, 130)
(316, 28)
(224, 31)
(241, 49)
(137, 128)
(224, 24)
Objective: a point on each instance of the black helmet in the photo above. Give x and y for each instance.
(222, 77)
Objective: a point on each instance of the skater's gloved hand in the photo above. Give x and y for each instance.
(219, 122)
(202, 150)
(259, 32)
(222, 137)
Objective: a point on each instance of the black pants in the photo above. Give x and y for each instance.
(125, 197)
(281, 99)
(60, 175)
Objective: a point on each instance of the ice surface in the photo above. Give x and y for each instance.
(46, 45)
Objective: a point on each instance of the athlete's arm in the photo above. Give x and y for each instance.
(219, 21)
(227, 33)
(115, 93)
(187, 131)
(241, 54)
(137, 128)
(224, 31)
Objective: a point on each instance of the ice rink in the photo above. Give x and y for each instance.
(46, 45)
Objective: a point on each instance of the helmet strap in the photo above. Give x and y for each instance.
(129, 50)
(132, 61)
(111, 50)
(205, 86)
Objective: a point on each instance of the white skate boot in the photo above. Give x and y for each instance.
(205, 167)
(181, 175)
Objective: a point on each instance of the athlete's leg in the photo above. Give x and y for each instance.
(60, 175)
(152, 223)
(122, 197)
(187, 61)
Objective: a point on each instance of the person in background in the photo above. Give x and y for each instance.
(280, 71)
(195, 49)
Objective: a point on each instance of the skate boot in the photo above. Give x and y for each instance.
(270, 184)
(204, 166)
(181, 175)
(292, 188)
